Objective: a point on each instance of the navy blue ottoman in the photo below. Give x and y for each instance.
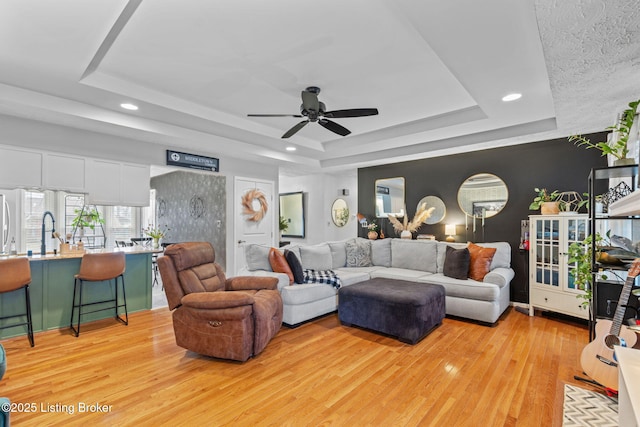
(404, 309)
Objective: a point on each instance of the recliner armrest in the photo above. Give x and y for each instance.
(216, 300)
(245, 283)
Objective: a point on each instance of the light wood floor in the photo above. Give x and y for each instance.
(321, 373)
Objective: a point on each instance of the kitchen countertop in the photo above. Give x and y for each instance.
(50, 256)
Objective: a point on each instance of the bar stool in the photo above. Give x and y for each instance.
(99, 267)
(15, 273)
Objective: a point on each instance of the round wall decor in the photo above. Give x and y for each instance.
(439, 212)
(254, 204)
(196, 207)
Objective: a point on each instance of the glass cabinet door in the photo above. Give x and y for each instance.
(547, 252)
(577, 231)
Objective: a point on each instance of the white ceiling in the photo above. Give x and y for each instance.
(436, 70)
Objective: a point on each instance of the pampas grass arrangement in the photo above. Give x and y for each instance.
(421, 216)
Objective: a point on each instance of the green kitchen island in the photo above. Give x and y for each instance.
(51, 290)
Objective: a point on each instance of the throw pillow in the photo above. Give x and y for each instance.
(316, 257)
(257, 257)
(480, 261)
(456, 263)
(358, 253)
(295, 265)
(279, 264)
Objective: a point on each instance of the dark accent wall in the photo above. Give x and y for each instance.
(555, 164)
(191, 204)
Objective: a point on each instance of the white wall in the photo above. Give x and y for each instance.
(55, 138)
(320, 192)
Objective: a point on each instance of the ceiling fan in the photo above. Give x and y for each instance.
(314, 111)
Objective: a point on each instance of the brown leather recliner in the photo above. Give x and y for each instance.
(227, 318)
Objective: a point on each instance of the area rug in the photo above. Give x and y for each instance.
(588, 408)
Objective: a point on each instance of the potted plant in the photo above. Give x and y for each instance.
(282, 225)
(156, 233)
(618, 147)
(580, 254)
(86, 217)
(405, 228)
(374, 229)
(546, 201)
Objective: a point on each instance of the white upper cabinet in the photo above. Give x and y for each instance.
(20, 168)
(114, 183)
(134, 185)
(64, 172)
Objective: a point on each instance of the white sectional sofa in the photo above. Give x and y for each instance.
(412, 260)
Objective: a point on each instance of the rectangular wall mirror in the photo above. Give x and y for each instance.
(292, 210)
(389, 197)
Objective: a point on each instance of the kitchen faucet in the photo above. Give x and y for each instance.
(43, 245)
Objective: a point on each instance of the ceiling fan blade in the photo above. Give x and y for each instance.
(334, 127)
(295, 129)
(310, 101)
(274, 115)
(353, 112)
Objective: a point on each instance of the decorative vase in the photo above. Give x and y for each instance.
(624, 162)
(372, 235)
(406, 234)
(156, 242)
(550, 208)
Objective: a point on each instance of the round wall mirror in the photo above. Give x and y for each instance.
(482, 195)
(438, 213)
(340, 213)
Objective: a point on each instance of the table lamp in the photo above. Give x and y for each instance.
(450, 231)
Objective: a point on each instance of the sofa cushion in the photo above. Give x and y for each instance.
(414, 254)
(502, 257)
(398, 273)
(480, 263)
(381, 252)
(307, 293)
(279, 264)
(316, 257)
(441, 249)
(358, 253)
(350, 275)
(294, 264)
(338, 254)
(257, 257)
(468, 289)
(456, 263)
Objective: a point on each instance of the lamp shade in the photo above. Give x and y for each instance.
(450, 229)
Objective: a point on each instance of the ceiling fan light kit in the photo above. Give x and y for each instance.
(315, 111)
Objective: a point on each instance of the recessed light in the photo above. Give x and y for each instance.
(128, 106)
(511, 97)
(290, 148)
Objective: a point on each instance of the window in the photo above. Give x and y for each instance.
(120, 222)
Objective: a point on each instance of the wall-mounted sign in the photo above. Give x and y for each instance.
(193, 161)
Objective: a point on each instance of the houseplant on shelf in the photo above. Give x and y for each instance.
(86, 218)
(621, 131)
(156, 234)
(546, 201)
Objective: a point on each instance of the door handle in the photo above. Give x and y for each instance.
(241, 242)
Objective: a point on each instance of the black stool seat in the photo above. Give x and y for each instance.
(404, 309)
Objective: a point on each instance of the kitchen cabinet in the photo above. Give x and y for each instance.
(64, 172)
(551, 285)
(20, 168)
(112, 183)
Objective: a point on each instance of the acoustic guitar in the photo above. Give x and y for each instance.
(598, 359)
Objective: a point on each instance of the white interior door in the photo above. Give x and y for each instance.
(249, 229)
